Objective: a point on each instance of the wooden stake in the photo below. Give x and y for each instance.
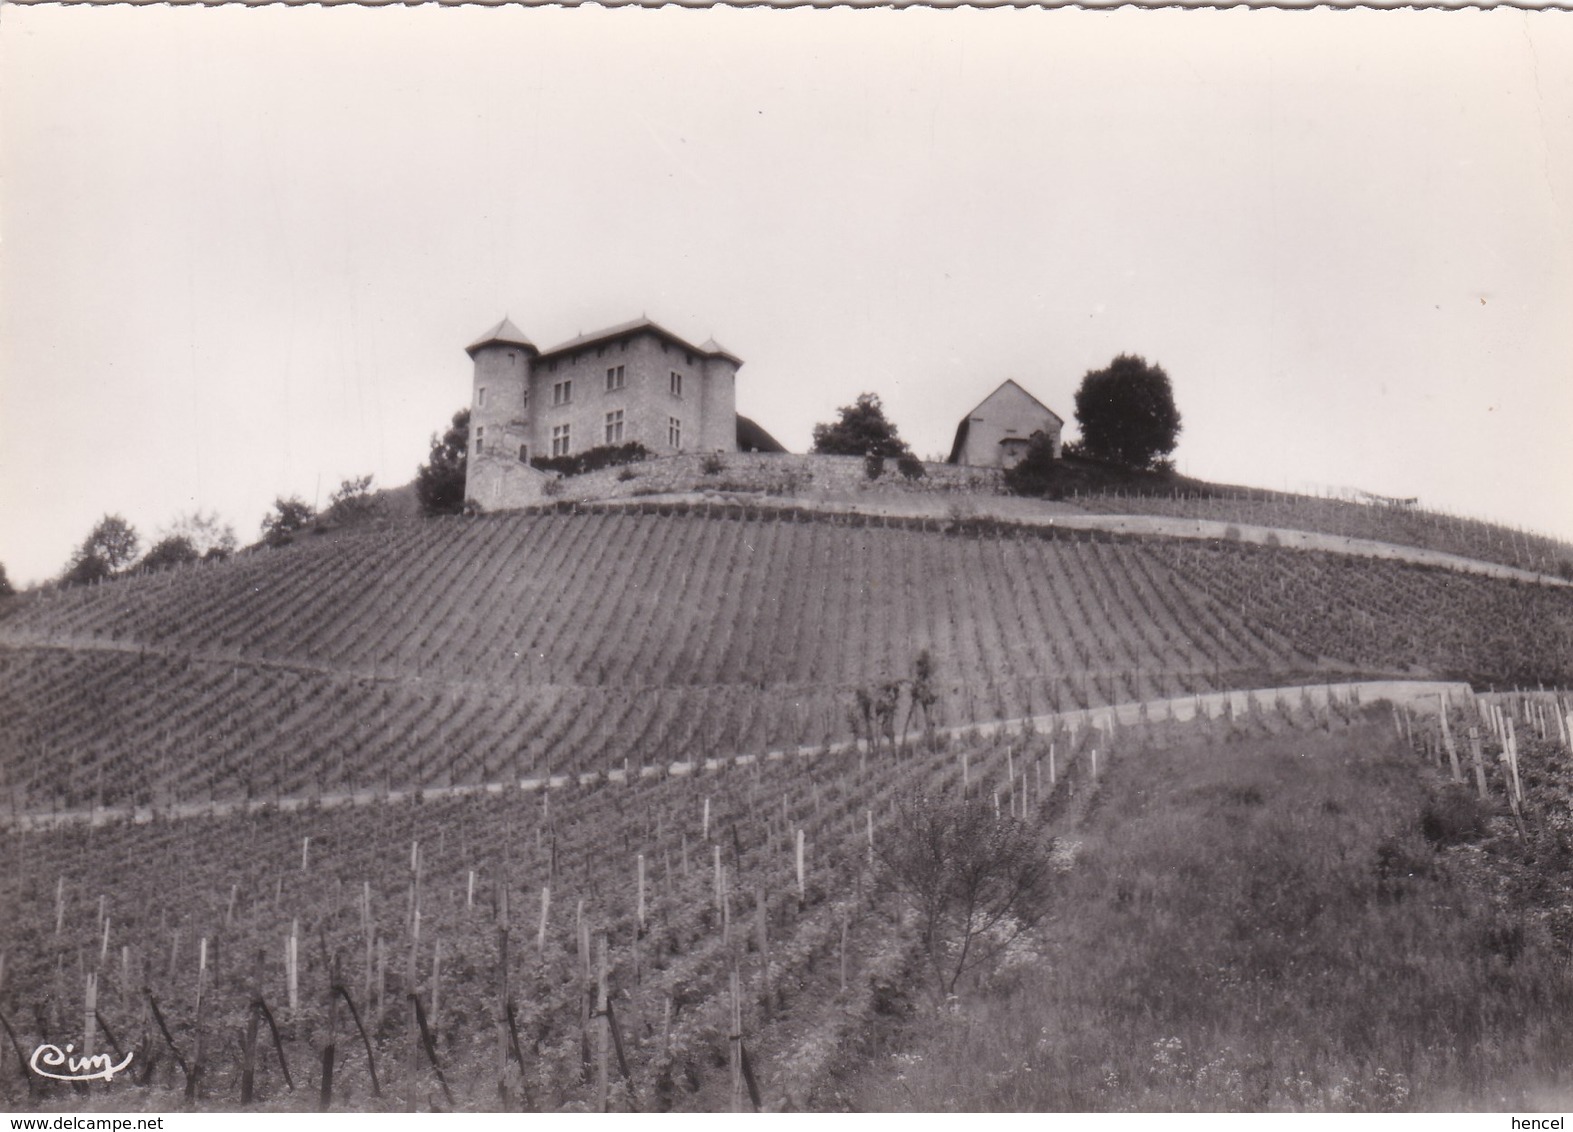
(603, 1031)
(802, 886)
(546, 906)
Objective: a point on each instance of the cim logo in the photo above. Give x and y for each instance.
(48, 1060)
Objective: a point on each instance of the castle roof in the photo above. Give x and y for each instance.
(711, 349)
(505, 333)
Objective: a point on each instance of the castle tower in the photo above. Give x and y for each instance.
(500, 395)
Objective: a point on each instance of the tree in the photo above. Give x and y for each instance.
(862, 430)
(6, 589)
(110, 545)
(208, 535)
(1037, 472)
(169, 552)
(114, 540)
(352, 502)
(439, 483)
(1127, 413)
(975, 880)
(288, 516)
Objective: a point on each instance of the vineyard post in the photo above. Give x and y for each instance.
(603, 1029)
(1480, 762)
(846, 924)
(60, 904)
(436, 975)
(1447, 740)
(869, 817)
(469, 892)
(305, 853)
(103, 944)
(762, 919)
(704, 834)
(504, 1001)
(1053, 776)
(717, 875)
(229, 910)
(736, 1041)
(248, 1067)
(802, 886)
(89, 1034)
(292, 955)
(540, 934)
(199, 1060)
(330, 1050)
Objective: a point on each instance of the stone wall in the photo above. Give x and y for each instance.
(778, 474)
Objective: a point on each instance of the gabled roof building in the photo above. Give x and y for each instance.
(997, 432)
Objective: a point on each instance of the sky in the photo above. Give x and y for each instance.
(241, 251)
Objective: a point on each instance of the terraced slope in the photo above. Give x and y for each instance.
(541, 643)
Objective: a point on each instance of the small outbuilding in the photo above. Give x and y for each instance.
(998, 431)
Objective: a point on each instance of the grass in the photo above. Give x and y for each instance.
(1262, 927)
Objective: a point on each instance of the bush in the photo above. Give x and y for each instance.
(874, 465)
(1452, 816)
(593, 459)
(910, 466)
(712, 465)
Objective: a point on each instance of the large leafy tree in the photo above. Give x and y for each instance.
(169, 552)
(1127, 413)
(862, 430)
(109, 546)
(439, 483)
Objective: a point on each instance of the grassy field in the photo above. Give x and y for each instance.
(1305, 923)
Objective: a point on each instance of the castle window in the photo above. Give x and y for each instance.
(480, 439)
(688, 359)
(614, 378)
(562, 392)
(614, 426)
(676, 382)
(524, 453)
(560, 440)
(526, 399)
(480, 397)
(674, 432)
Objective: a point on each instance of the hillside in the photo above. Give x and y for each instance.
(528, 644)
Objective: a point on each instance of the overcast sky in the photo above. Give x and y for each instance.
(244, 249)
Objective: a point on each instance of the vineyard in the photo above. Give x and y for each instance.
(660, 886)
(533, 645)
(626, 945)
(1381, 522)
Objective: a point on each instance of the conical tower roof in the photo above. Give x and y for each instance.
(505, 333)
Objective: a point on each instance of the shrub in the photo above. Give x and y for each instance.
(593, 459)
(1453, 815)
(626, 474)
(712, 465)
(874, 465)
(910, 466)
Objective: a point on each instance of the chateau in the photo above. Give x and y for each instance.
(633, 382)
